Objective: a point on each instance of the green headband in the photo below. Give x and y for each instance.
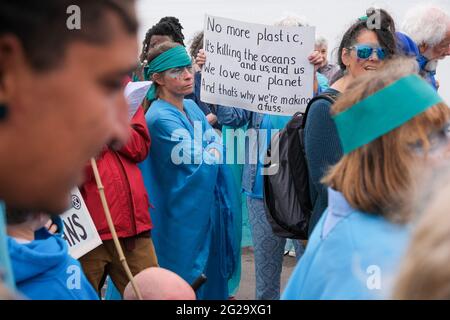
(384, 111)
(172, 58)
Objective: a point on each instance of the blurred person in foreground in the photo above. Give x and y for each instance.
(61, 97)
(391, 124)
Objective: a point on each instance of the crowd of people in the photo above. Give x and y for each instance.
(375, 132)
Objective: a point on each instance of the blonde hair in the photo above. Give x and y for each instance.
(373, 177)
(425, 272)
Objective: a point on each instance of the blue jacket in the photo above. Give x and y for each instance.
(44, 270)
(350, 255)
(409, 48)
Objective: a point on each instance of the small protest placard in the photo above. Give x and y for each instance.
(79, 229)
(135, 93)
(257, 67)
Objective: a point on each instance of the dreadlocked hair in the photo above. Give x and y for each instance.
(167, 26)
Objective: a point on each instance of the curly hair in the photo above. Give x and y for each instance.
(167, 26)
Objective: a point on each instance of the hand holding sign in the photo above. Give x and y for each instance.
(316, 59)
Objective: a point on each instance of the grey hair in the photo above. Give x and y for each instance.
(292, 20)
(321, 42)
(426, 24)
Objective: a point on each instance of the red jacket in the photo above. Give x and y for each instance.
(124, 186)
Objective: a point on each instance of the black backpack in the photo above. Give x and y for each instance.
(286, 192)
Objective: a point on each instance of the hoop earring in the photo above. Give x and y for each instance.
(4, 110)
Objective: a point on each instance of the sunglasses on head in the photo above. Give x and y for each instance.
(365, 51)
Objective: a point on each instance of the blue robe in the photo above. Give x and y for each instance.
(193, 198)
(350, 255)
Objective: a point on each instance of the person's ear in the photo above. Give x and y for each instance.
(345, 57)
(423, 48)
(11, 54)
(158, 78)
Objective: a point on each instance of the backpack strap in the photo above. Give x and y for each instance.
(330, 97)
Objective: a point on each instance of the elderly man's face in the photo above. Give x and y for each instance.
(441, 50)
(60, 118)
(323, 50)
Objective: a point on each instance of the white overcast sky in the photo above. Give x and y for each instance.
(330, 17)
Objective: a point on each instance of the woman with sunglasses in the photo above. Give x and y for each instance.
(391, 125)
(194, 203)
(362, 50)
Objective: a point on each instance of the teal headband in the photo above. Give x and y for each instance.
(384, 111)
(172, 58)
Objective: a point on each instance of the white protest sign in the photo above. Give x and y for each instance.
(79, 229)
(135, 93)
(257, 67)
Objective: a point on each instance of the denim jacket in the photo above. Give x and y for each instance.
(236, 118)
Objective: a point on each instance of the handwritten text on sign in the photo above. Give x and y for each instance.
(257, 67)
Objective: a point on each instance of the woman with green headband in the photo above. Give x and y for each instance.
(192, 193)
(391, 123)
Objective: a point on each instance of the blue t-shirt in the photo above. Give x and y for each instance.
(323, 83)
